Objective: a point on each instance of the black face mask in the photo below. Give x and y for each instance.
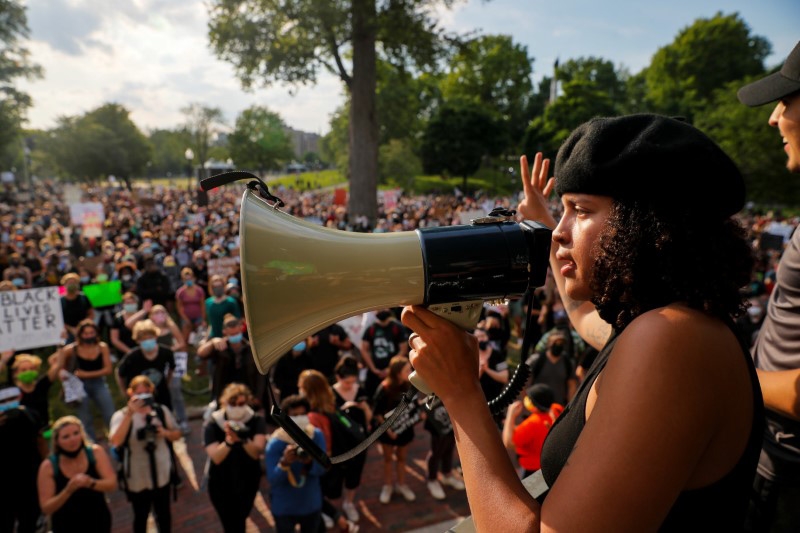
(71, 455)
(495, 334)
(557, 349)
(383, 316)
(89, 340)
(483, 344)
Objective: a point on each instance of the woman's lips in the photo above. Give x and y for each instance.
(567, 268)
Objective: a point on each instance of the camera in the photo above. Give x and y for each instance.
(302, 454)
(148, 432)
(240, 430)
(146, 398)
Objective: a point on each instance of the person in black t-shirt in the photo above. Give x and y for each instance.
(384, 339)
(148, 359)
(153, 284)
(287, 370)
(234, 438)
(121, 335)
(34, 387)
(324, 349)
(74, 305)
(555, 369)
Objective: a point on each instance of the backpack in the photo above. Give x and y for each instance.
(346, 433)
(122, 454)
(54, 460)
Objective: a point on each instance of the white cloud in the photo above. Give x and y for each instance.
(153, 57)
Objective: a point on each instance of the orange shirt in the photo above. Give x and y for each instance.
(529, 436)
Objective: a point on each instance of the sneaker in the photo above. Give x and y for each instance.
(350, 510)
(327, 520)
(406, 492)
(451, 481)
(436, 490)
(386, 494)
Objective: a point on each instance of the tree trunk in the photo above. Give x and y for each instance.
(363, 119)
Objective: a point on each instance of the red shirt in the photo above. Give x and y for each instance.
(529, 437)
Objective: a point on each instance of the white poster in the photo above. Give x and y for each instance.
(88, 215)
(181, 363)
(30, 318)
(72, 194)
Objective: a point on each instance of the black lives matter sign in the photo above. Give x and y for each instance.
(30, 319)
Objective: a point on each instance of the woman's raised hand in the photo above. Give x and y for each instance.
(537, 188)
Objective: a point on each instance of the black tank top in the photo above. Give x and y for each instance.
(720, 506)
(86, 509)
(89, 365)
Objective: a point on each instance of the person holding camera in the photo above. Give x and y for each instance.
(665, 430)
(72, 481)
(294, 477)
(141, 433)
(235, 436)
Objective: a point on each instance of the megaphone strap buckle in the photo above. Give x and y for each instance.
(257, 184)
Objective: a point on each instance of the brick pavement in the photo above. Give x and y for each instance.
(193, 511)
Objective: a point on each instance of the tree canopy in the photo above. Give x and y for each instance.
(259, 140)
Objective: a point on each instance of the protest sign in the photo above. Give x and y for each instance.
(72, 194)
(30, 318)
(90, 216)
(72, 387)
(181, 363)
(224, 266)
(390, 198)
(339, 197)
(7, 177)
(104, 294)
(91, 263)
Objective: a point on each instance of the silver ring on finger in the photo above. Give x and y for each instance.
(411, 340)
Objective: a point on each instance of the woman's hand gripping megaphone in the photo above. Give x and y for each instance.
(444, 355)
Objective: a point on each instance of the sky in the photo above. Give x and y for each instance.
(153, 57)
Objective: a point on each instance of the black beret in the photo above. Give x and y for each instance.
(659, 160)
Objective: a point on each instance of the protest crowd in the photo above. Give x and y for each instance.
(150, 295)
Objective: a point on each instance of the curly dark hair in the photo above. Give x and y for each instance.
(649, 257)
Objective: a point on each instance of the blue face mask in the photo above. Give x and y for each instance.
(189, 283)
(8, 406)
(233, 281)
(148, 345)
(130, 308)
(235, 339)
(299, 347)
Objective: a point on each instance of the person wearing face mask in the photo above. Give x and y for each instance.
(190, 302)
(35, 387)
(150, 359)
(17, 273)
(232, 361)
(75, 305)
(294, 477)
(492, 366)
(142, 434)
(218, 305)
(20, 460)
(121, 334)
(153, 284)
(289, 367)
(554, 368)
(128, 275)
(200, 269)
(71, 482)
(234, 438)
(384, 339)
(89, 360)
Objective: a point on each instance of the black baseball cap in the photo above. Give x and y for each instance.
(775, 86)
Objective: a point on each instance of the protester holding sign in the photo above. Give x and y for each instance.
(89, 360)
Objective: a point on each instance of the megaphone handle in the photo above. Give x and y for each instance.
(464, 315)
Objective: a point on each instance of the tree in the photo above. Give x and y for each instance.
(398, 163)
(168, 151)
(14, 64)
(756, 147)
(703, 57)
(599, 72)
(202, 124)
(259, 140)
(292, 42)
(493, 71)
(458, 137)
(102, 142)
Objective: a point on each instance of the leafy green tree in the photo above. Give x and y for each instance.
(259, 140)
(495, 72)
(100, 143)
(757, 149)
(599, 72)
(458, 137)
(202, 124)
(703, 57)
(293, 42)
(404, 102)
(335, 145)
(398, 163)
(15, 64)
(168, 151)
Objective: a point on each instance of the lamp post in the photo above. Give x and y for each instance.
(189, 155)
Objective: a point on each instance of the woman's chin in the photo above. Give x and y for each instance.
(577, 290)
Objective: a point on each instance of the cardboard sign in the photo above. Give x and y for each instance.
(30, 318)
(224, 266)
(181, 363)
(88, 215)
(104, 294)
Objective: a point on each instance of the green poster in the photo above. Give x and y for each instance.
(103, 294)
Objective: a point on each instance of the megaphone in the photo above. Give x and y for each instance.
(299, 277)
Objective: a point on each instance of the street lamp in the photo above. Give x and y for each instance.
(189, 155)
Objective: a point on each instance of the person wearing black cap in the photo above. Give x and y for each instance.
(776, 352)
(665, 430)
(527, 438)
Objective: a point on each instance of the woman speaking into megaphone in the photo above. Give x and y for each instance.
(665, 430)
